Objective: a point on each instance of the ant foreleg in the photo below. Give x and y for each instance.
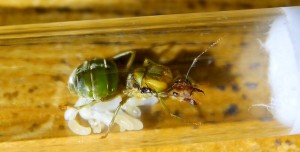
(175, 116)
(196, 90)
(168, 110)
(191, 101)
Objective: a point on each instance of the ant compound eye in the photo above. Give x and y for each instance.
(175, 94)
(146, 90)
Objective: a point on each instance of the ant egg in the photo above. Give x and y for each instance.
(100, 114)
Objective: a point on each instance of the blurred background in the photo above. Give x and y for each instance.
(42, 11)
(14, 12)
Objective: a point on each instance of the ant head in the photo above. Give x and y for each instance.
(182, 97)
(183, 90)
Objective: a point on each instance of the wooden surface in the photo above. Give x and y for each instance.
(171, 139)
(41, 11)
(35, 69)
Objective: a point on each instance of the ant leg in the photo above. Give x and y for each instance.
(85, 105)
(168, 110)
(191, 101)
(112, 120)
(130, 60)
(175, 116)
(197, 90)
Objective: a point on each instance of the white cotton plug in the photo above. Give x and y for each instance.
(284, 68)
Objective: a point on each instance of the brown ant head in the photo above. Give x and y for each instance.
(183, 90)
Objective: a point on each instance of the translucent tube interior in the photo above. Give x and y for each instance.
(36, 61)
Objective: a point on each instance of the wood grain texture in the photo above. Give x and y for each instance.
(171, 139)
(44, 11)
(36, 61)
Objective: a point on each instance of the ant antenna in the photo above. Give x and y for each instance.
(196, 59)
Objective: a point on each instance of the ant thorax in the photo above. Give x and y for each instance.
(134, 90)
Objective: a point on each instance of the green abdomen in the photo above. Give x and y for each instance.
(95, 79)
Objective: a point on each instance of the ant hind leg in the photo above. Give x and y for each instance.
(112, 121)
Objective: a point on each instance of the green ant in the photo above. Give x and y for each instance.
(98, 80)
